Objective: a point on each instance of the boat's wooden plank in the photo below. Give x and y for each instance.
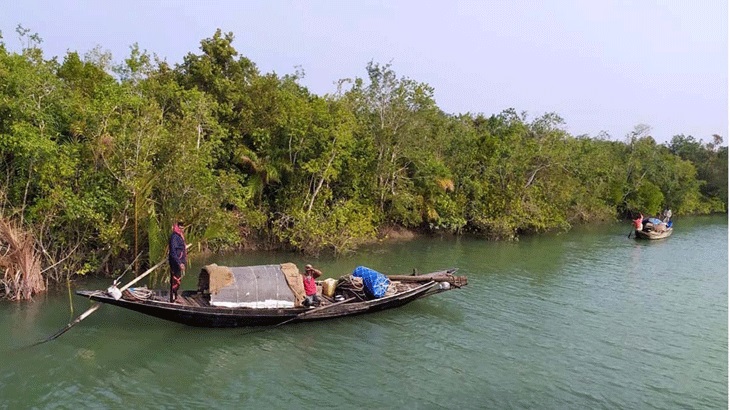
(196, 301)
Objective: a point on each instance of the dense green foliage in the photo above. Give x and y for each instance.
(98, 158)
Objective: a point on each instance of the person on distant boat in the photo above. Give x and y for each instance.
(666, 215)
(639, 222)
(177, 258)
(310, 286)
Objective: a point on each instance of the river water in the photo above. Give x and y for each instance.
(585, 319)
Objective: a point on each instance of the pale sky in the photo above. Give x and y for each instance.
(602, 65)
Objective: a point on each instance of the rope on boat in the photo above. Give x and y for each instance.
(138, 293)
(348, 284)
(141, 293)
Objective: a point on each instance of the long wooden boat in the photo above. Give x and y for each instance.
(223, 303)
(653, 234)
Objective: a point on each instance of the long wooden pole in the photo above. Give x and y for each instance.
(317, 309)
(438, 277)
(147, 272)
(97, 305)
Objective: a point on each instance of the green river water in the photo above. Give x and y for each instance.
(582, 320)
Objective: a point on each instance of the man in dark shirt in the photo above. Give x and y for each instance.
(177, 258)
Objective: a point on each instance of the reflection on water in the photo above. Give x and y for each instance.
(587, 319)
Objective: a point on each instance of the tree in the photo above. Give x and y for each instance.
(397, 115)
(710, 160)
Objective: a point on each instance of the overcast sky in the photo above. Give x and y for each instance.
(601, 65)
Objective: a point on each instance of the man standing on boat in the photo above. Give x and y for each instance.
(666, 215)
(177, 258)
(310, 286)
(639, 222)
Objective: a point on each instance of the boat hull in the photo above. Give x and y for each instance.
(197, 314)
(652, 234)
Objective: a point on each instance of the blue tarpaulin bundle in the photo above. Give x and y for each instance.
(375, 283)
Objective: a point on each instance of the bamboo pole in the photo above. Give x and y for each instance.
(317, 309)
(436, 277)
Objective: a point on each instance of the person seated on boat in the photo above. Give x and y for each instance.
(177, 258)
(666, 215)
(639, 222)
(310, 286)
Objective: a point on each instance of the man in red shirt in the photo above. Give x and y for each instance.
(310, 287)
(638, 222)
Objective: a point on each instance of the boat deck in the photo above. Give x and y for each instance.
(193, 298)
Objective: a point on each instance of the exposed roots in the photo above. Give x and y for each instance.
(20, 263)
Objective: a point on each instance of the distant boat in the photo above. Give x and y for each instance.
(268, 295)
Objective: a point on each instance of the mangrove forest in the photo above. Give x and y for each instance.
(99, 157)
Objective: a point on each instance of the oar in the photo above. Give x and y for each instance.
(632, 231)
(71, 324)
(317, 309)
(97, 305)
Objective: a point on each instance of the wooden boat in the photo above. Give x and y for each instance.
(652, 234)
(241, 296)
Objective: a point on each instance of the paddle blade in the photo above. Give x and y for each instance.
(70, 325)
